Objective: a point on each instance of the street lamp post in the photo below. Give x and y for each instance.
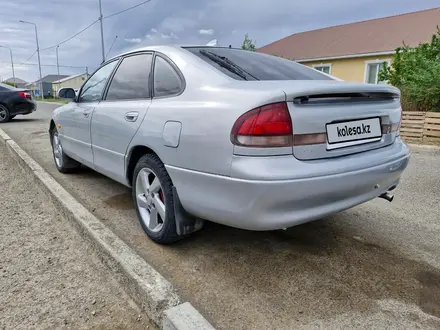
(38, 53)
(12, 64)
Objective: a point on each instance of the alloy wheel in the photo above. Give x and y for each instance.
(3, 114)
(57, 150)
(150, 200)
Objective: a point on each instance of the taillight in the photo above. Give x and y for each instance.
(395, 127)
(266, 126)
(25, 95)
(400, 123)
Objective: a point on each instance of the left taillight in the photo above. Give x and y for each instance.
(264, 127)
(25, 95)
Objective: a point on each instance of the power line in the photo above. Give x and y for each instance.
(70, 38)
(28, 58)
(111, 46)
(127, 9)
(83, 30)
(51, 65)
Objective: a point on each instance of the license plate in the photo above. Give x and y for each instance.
(355, 130)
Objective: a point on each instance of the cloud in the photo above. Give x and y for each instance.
(206, 32)
(8, 30)
(170, 35)
(165, 36)
(162, 22)
(133, 40)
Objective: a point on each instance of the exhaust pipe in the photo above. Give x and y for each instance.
(389, 197)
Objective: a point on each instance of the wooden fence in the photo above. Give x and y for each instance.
(421, 127)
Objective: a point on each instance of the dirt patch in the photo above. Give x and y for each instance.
(50, 277)
(122, 201)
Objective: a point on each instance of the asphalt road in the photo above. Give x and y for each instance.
(374, 266)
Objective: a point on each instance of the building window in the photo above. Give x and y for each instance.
(372, 69)
(326, 68)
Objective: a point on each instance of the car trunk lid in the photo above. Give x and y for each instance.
(332, 119)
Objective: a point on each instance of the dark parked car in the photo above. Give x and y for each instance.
(15, 101)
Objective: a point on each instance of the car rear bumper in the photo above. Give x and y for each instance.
(24, 108)
(276, 204)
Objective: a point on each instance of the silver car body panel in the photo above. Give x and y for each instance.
(278, 192)
(114, 123)
(76, 135)
(251, 188)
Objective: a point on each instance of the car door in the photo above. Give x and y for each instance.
(118, 116)
(76, 137)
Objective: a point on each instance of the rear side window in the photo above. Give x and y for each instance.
(131, 80)
(247, 65)
(167, 81)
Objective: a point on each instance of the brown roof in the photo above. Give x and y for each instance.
(372, 36)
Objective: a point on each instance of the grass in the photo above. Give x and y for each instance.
(51, 100)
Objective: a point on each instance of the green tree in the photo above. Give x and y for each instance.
(248, 44)
(416, 72)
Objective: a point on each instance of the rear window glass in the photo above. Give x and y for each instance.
(256, 66)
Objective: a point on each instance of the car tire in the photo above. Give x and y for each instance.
(64, 163)
(5, 116)
(149, 199)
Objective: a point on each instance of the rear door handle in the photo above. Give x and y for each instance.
(131, 116)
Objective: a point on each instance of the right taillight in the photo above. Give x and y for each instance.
(390, 128)
(263, 127)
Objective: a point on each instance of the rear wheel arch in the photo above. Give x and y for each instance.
(134, 155)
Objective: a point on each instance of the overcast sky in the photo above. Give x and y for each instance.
(165, 21)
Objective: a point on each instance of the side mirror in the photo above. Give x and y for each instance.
(67, 93)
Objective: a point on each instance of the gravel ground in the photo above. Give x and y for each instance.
(376, 266)
(49, 277)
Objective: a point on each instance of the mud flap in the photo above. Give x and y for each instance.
(185, 222)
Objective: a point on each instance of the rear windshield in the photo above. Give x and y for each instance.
(256, 66)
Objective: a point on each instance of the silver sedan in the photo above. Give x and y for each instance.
(239, 138)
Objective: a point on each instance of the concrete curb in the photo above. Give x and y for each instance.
(56, 103)
(184, 316)
(150, 290)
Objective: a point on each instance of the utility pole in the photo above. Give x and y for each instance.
(58, 70)
(12, 63)
(38, 53)
(87, 71)
(102, 32)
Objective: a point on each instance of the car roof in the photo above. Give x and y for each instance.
(163, 48)
(157, 48)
